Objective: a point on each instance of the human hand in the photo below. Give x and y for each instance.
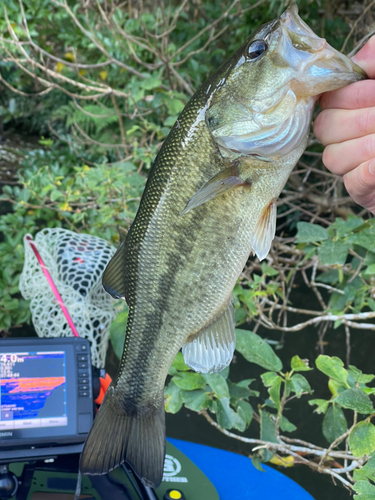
(346, 126)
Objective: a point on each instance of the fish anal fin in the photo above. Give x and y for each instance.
(113, 277)
(211, 350)
(219, 184)
(265, 231)
(117, 436)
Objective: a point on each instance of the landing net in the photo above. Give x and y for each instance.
(76, 263)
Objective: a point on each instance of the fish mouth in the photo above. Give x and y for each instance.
(319, 66)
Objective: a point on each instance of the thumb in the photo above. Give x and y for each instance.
(365, 58)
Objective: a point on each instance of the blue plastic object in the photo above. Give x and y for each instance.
(235, 477)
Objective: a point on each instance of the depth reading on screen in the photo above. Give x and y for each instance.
(33, 390)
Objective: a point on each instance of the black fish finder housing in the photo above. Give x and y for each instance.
(46, 397)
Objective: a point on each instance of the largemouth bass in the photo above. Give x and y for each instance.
(210, 201)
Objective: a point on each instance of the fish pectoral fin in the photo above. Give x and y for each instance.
(212, 348)
(265, 231)
(113, 277)
(219, 184)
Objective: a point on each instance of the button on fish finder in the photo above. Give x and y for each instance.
(82, 357)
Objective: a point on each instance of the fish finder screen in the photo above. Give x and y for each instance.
(33, 390)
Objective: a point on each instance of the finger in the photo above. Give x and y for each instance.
(337, 125)
(360, 184)
(343, 157)
(359, 94)
(354, 96)
(365, 57)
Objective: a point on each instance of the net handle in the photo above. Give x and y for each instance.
(52, 285)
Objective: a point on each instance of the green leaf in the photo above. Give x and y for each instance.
(267, 432)
(365, 472)
(195, 400)
(227, 418)
(25, 195)
(256, 350)
(286, 425)
(175, 106)
(225, 373)
(362, 439)
(152, 82)
(274, 392)
(117, 332)
(370, 270)
(365, 489)
(247, 411)
(218, 384)
(337, 323)
(267, 270)
(170, 121)
(56, 195)
(300, 385)
(336, 387)
(364, 238)
(331, 276)
(189, 381)
(360, 377)
(246, 383)
(322, 405)
(333, 252)
(179, 363)
(300, 365)
(308, 233)
(334, 423)
(344, 227)
(172, 398)
(269, 378)
(238, 392)
(257, 463)
(289, 386)
(355, 399)
(333, 367)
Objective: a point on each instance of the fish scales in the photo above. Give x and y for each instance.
(209, 201)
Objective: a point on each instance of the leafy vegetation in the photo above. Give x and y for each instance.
(102, 94)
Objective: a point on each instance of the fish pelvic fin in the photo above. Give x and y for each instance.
(113, 277)
(265, 231)
(219, 184)
(211, 350)
(137, 437)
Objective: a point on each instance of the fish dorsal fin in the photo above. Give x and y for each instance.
(219, 184)
(212, 348)
(265, 231)
(113, 277)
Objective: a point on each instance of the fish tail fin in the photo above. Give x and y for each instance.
(135, 436)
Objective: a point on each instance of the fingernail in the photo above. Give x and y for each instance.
(371, 166)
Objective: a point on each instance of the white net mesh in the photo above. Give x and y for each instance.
(76, 263)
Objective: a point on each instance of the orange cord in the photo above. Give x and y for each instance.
(104, 384)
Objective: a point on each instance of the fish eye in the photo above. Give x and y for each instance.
(256, 49)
